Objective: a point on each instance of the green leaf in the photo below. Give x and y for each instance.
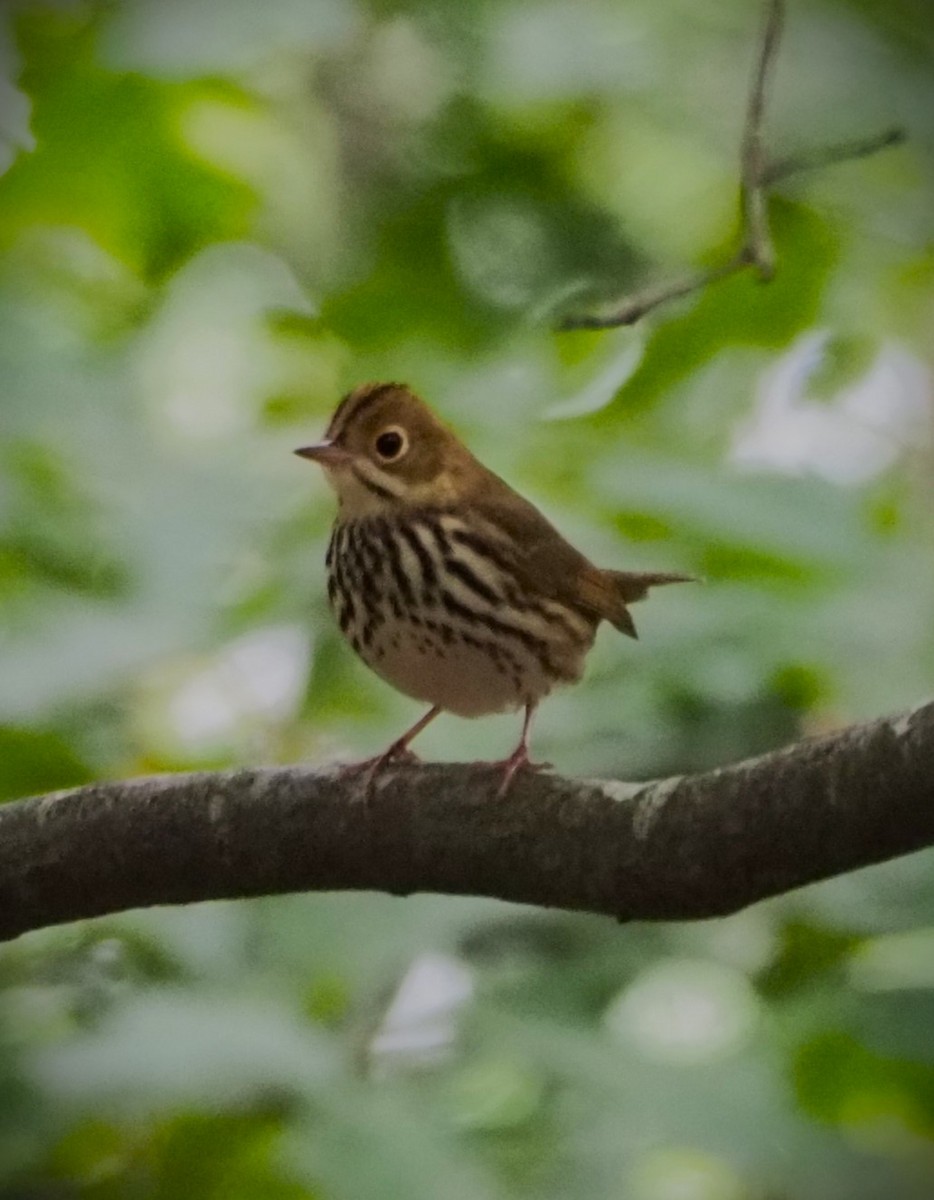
(211, 1156)
(33, 761)
(845, 358)
(109, 155)
(840, 1081)
(806, 955)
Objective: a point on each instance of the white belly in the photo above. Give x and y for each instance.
(462, 678)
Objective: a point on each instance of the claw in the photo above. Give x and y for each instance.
(398, 752)
(519, 759)
(369, 768)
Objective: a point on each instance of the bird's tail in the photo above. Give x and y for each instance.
(623, 588)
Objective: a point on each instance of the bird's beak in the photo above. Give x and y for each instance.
(327, 453)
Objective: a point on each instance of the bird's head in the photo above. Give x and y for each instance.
(385, 449)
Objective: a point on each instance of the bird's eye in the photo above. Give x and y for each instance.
(391, 443)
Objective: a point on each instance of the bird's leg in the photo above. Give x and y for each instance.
(520, 756)
(398, 752)
(400, 747)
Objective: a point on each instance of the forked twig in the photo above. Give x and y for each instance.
(757, 175)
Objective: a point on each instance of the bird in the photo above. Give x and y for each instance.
(447, 583)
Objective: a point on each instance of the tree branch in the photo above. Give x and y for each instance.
(679, 848)
(757, 175)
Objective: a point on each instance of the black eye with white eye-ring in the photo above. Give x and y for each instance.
(392, 443)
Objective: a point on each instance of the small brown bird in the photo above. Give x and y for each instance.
(445, 581)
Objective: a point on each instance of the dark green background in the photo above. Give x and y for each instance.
(214, 219)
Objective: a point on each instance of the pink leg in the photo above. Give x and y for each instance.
(520, 756)
(398, 752)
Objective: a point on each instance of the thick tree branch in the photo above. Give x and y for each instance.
(757, 174)
(678, 848)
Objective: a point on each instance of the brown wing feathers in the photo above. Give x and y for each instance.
(607, 593)
(550, 566)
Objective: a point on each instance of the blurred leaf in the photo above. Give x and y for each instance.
(643, 527)
(904, 21)
(211, 1156)
(377, 1141)
(838, 1080)
(509, 233)
(187, 1048)
(845, 358)
(806, 955)
(328, 1000)
(33, 761)
(801, 686)
(181, 38)
(338, 686)
(109, 156)
(411, 290)
(33, 559)
(751, 565)
(48, 530)
(755, 529)
(489, 1096)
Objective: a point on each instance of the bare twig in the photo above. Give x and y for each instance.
(630, 310)
(680, 848)
(757, 247)
(757, 175)
(828, 156)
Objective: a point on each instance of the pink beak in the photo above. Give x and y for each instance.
(327, 453)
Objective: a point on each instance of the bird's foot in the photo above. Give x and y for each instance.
(509, 767)
(368, 769)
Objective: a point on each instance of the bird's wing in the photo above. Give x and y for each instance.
(547, 566)
(543, 562)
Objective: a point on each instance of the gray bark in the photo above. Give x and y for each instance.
(679, 848)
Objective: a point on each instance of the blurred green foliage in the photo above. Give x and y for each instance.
(211, 224)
